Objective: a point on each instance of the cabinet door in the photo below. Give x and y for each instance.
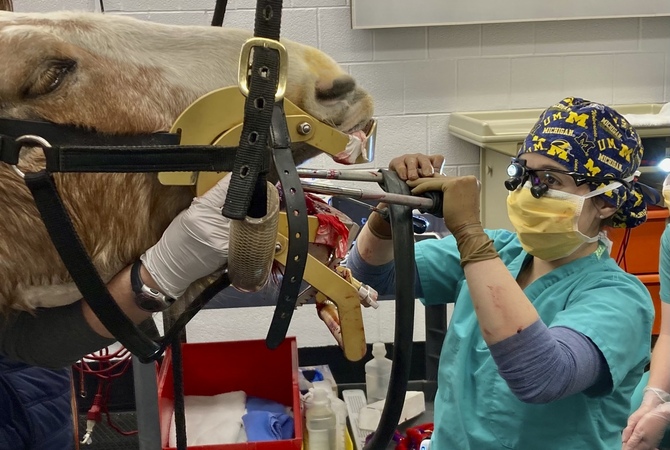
(493, 173)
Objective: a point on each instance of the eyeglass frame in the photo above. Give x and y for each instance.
(518, 175)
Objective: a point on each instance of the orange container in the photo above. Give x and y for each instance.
(653, 285)
(641, 255)
(213, 368)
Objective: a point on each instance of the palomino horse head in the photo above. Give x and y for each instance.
(119, 75)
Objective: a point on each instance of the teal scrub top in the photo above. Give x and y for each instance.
(475, 409)
(664, 265)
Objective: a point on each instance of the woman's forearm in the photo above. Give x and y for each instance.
(501, 306)
(373, 250)
(120, 288)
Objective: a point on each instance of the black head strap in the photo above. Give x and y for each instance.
(61, 135)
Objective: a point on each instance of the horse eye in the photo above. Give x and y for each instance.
(49, 79)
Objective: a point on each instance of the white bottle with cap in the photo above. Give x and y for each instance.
(377, 374)
(321, 422)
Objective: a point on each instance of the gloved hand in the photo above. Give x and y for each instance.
(193, 246)
(408, 167)
(460, 207)
(647, 425)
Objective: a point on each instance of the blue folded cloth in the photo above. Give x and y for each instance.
(267, 426)
(261, 404)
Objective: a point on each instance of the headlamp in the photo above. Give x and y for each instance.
(517, 173)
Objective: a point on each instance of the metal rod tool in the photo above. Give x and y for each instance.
(418, 202)
(344, 175)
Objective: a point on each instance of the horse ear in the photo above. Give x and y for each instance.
(6, 5)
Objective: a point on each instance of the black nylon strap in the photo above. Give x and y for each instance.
(83, 272)
(58, 135)
(268, 19)
(127, 159)
(177, 158)
(296, 259)
(253, 155)
(9, 150)
(219, 13)
(178, 386)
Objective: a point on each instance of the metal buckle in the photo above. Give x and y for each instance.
(245, 64)
(29, 138)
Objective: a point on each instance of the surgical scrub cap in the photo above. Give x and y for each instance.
(595, 140)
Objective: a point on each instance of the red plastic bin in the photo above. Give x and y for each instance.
(653, 284)
(212, 368)
(642, 252)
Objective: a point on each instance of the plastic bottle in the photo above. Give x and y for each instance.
(321, 422)
(377, 374)
(340, 409)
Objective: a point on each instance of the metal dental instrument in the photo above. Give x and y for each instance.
(344, 175)
(419, 223)
(382, 211)
(428, 202)
(419, 202)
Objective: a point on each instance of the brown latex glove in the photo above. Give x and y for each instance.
(378, 226)
(460, 207)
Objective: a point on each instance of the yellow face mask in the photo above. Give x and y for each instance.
(548, 226)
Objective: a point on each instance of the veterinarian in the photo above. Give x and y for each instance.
(548, 337)
(649, 423)
(35, 408)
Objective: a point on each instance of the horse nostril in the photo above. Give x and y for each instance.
(340, 88)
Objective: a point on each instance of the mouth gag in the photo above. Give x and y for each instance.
(203, 123)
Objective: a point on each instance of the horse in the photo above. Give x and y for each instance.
(118, 75)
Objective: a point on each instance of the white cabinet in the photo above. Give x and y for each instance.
(492, 174)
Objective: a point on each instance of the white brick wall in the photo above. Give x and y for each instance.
(418, 76)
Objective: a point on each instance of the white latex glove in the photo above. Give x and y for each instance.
(193, 246)
(649, 429)
(647, 425)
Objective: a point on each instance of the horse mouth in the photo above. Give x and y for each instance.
(370, 130)
(364, 136)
